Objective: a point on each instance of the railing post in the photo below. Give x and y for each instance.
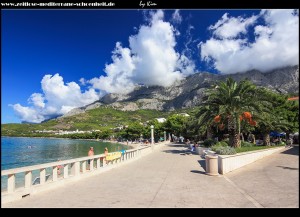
(75, 168)
(42, 176)
(11, 183)
(92, 164)
(83, 166)
(66, 171)
(54, 173)
(28, 179)
(98, 163)
(104, 162)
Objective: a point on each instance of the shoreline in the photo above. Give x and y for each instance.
(130, 146)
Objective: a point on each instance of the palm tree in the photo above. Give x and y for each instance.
(276, 118)
(232, 99)
(205, 116)
(271, 122)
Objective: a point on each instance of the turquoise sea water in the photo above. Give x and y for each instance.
(19, 152)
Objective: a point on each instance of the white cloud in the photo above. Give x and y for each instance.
(27, 114)
(58, 98)
(82, 81)
(276, 42)
(231, 27)
(37, 100)
(176, 17)
(151, 59)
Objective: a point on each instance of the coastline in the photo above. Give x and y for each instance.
(130, 146)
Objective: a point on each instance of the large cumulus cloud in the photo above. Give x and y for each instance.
(57, 98)
(150, 59)
(275, 44)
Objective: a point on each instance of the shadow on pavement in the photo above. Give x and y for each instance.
(177, 145)
(294, 150)
(197, 171)
(289, 168)
(181, 152)
(202, 164)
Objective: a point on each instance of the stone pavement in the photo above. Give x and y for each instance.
(170, 177)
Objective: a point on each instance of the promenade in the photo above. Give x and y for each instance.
(171, 177)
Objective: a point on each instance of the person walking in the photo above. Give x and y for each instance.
(90, 153)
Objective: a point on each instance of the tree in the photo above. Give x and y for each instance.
(105, 134)
(176, 124)
(159, 128)
(205, 117)
(232, 99)
(134, 131)
(281, 116)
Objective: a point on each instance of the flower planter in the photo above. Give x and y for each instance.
(228, 163)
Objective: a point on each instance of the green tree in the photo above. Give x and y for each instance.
(281, 116)
(133, 131)
(105, 134)
(232, 99)
(176, 124)
(205, 118)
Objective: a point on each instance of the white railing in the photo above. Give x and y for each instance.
(63, 171)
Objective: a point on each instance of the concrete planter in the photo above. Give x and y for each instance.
(228, 163)
(202, 149)
(211, 163)
(209, 152)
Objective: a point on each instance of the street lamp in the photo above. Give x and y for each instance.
(126, 133)
(152, 136)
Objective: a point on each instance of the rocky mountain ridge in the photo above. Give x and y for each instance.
(189, 91)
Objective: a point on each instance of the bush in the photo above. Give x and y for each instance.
(224, 150)
(209, 142)
(221, 143)
(215, 147)
(226, 140)
(246, 144)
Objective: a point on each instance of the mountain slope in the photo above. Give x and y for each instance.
(188, 92)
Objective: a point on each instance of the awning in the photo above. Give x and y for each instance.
(274, 133)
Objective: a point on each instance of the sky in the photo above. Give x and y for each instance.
(56, 60)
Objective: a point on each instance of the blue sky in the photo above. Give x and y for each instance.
(56, 60)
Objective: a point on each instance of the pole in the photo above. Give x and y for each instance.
(165, 136)
(152, 137)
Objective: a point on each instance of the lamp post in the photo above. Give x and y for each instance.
(126, 133)
(152, 136)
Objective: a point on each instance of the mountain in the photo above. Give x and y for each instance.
(189, 91)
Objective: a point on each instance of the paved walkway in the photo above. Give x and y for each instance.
(170, 177)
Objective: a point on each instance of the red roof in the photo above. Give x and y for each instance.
(294, 98)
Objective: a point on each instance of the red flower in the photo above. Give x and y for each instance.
(221, 126)
(253, 123)
(247, 115)
(217, 119)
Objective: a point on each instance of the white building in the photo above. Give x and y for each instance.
(160, 120)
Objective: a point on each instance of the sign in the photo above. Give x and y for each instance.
(113, 156)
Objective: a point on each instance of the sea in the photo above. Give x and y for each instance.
(20, 152)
